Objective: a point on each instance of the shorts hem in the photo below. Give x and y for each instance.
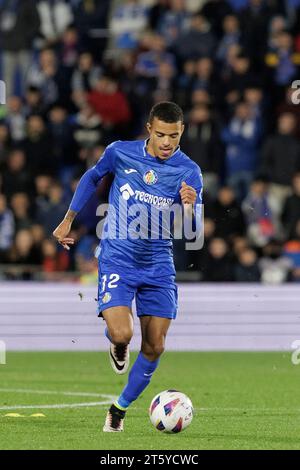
(160, 315)
(112, 304)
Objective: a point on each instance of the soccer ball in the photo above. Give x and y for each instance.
(171, 411)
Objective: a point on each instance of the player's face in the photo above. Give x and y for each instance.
(164, 138)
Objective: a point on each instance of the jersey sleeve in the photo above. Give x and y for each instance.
(107, 162)
(89, 181)
(196, 181)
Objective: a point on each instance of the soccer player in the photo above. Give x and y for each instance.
(154, 175)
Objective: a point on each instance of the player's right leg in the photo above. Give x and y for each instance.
(115, 295)
(119, 332)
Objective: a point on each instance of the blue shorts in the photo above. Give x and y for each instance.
(154, 295)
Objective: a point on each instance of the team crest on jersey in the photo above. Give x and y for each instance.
(150, 177)
(106, 298)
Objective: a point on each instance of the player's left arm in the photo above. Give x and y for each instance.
(191, 197)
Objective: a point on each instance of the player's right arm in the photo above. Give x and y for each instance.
(86, 187)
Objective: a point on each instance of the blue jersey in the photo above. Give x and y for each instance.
(149, 188)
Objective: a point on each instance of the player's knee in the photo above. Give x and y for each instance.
(121, 335)
(158, 350)
(153, 350)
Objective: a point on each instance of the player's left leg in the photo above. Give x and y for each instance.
(156, 307)
(154, 331)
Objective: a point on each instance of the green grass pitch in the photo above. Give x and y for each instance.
(242, 401)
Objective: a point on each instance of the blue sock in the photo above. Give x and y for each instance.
(138, 379)
(107, 334)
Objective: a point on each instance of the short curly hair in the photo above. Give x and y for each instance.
(166, 111)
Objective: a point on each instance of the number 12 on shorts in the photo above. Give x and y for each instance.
(112, 281)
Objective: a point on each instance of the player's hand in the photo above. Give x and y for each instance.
(187, 193)
(61, 234)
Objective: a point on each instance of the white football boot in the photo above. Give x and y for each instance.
(119, 358)
(114, 420)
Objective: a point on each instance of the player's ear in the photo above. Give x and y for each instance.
(148, 125)
(182, 129)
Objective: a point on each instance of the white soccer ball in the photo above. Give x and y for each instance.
(171, 411)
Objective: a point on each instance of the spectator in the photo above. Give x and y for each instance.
(39, 147)
(291, 251)
(231, 36)
(5, 145)
(174, 22)
(7, 228)
(291, 209)
(287, 106)
(55, 17)
(204, 75)
(254, 24)
(42, 186)
(227, 214)
(165, 83)
(19, 25)
(68, 50)
(253, 96)
(38, 235)
(90, 19)
(239, 244)
(85, 74)
(277, 24)
(147, 64)
(246, 269)
(184, 84)
(47, 77)
(127, 23)
(202, 143)
(22, 252)
(16, 119)
(87, 128)
(20, 205)
(197, 41)
(109, 102)
(198, 259)
(257, 208)
(16, 176)
(274, 266)
(215, 12)
(64, 148)
(281, 159)
(53, 212)
(33, 102)
(158, 10)
(283, 63)
(53, 259)
(241, 138)
(240, 76)
(219, 267)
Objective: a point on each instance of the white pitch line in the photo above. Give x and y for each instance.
(54, 392)
(60, 406)
(249, 410)
(107, 401)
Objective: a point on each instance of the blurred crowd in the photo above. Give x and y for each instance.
(80, 74)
